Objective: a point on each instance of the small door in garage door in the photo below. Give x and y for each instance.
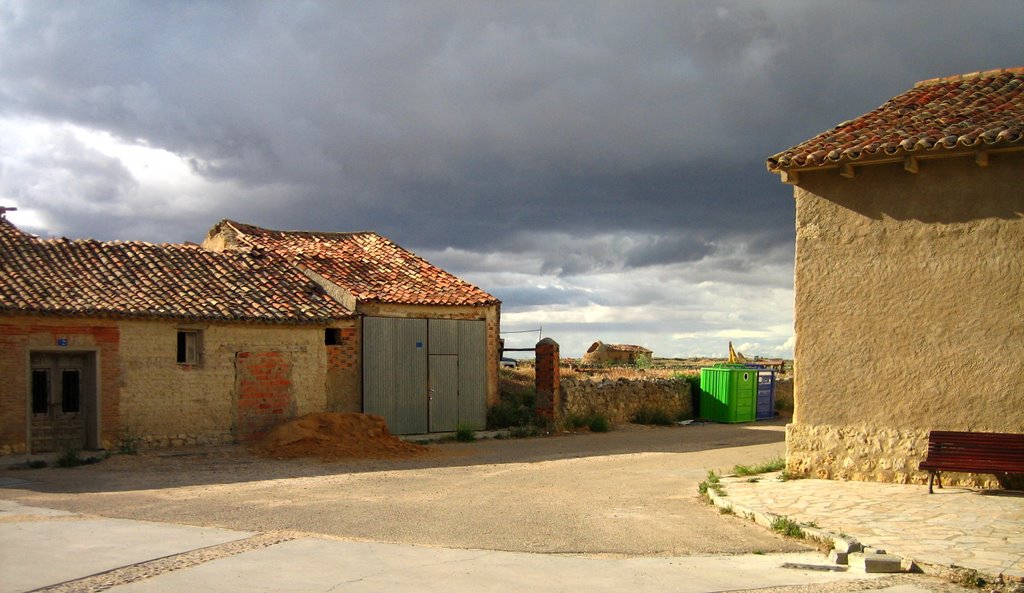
(444, 392)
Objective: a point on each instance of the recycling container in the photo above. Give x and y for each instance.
(765, 393)
(728, 393)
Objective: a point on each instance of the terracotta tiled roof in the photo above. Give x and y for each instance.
(134, 279)
(371, 267)
(979, 110)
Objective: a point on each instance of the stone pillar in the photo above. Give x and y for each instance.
(548, 382)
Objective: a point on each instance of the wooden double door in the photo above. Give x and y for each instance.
(62, 401)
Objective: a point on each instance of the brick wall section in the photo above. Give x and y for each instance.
(21, 334)
(344, 372)
(264, 393)
(168, 404)
(621, 399)
(548, 380)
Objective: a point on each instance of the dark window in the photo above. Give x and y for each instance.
(69, 391)
(188, 347)
(40, 391)
(332, 336)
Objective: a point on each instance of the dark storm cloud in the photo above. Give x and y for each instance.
(579, 116)
(581, 138)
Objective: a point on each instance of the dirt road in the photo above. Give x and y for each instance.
(628, 492)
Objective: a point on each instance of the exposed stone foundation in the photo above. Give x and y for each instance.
(620, 400)
(866, 454)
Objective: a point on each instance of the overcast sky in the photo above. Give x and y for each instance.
(599, 167)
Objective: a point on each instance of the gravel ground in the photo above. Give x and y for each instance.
(628, 492)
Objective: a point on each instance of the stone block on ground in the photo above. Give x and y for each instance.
(847, 545)
(876, 563)
(837, 557)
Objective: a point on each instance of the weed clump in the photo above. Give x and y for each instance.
(594, 422)
(71, 456)
(464, 433)
(772, 465)
(787, 527)
(712, 483)
(651, 415)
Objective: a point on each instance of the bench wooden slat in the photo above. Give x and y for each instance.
(973, 452)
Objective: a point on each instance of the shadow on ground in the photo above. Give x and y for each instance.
(157, 469)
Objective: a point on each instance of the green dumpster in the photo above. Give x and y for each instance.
(728, 393)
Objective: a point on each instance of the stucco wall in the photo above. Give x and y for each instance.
(491, 314)
(909, 309)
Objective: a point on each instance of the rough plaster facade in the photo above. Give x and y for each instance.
(909, 313)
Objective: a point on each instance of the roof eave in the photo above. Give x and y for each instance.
(846, 162)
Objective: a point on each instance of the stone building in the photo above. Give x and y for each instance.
(601, 353)
(180, 344)
(909, 264)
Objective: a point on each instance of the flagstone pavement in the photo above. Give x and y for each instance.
(952, 528)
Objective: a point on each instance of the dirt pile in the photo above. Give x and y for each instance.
(331, 436)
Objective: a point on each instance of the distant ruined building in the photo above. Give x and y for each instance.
(601, 353)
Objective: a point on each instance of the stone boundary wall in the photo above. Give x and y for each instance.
(866, 454)
(620, 400)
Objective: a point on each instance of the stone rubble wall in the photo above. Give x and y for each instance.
(620, 400)
(866, 454)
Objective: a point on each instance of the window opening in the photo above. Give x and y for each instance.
(188, 347)
(332, 336)
(40, 391)
(70, 394)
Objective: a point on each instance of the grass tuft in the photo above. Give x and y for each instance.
(772, 465)
(787, 527)
(465, 434)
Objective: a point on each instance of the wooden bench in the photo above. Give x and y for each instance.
(973, 452)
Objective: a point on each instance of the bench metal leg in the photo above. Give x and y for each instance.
(931, 481)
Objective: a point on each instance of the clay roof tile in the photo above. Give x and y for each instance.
(968, 111)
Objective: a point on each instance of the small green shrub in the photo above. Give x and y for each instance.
(787, 527)
(599, 423)
(652, 415)
(129, 443)
(726, 511)
(575, 421)
(642, 362)
(786, 476)
(711, 483)
(772, 465)
(70, 456)
(465, 434)
(517, 407)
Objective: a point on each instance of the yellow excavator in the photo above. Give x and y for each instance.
(736, 357)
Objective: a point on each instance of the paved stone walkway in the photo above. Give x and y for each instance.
(955, 527)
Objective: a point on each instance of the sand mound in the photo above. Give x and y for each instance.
(335, 436)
